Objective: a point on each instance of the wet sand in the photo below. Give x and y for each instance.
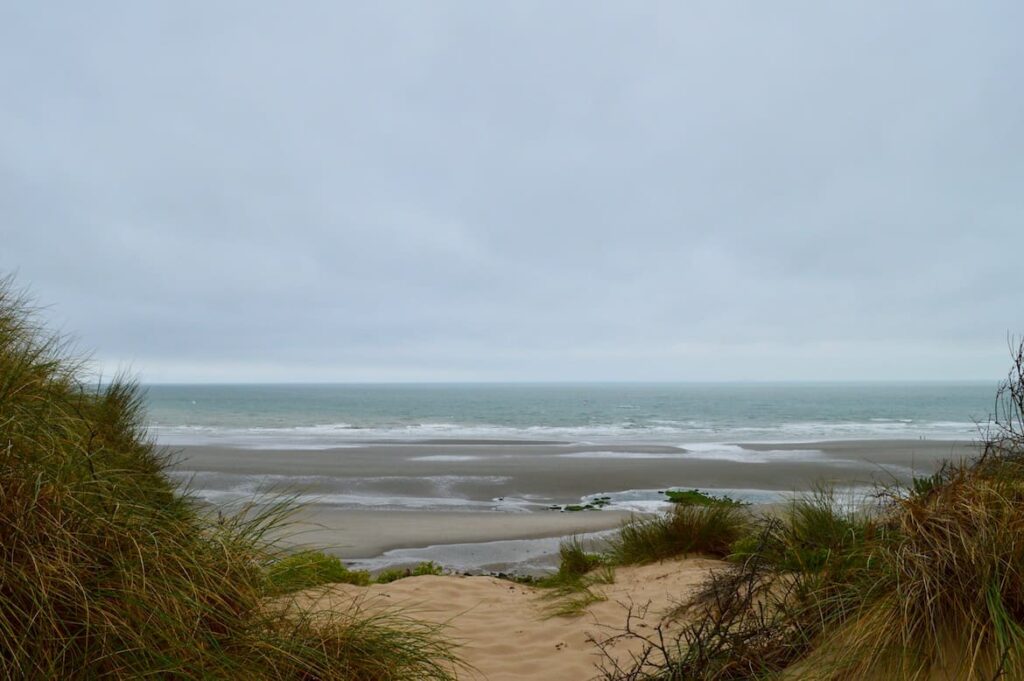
(479, 491)
(562, 474)
(357, 534)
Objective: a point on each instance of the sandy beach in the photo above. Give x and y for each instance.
(358, 534)
(565, 472)
(457, 501)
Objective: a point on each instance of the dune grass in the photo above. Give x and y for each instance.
(575, 561)
(708, 529)
(697, 524)
(107, 572)
(949, 586)
(310, 568)
(569, 591)
(428, 567)
(926, 583)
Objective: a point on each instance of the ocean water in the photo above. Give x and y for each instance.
(326, 416)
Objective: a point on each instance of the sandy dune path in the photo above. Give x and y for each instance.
(502, 626)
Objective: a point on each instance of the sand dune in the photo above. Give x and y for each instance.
(502, 626)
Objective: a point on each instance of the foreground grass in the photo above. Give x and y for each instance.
(106, 572)
(928, 583)
(698, 523)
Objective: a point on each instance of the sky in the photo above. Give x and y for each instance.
(527, 191)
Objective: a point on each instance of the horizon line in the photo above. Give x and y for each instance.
(849, 381)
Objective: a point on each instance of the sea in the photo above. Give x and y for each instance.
(323, 416)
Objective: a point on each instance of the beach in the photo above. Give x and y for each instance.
(480, 505)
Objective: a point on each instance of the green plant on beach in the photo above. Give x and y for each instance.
(595, 504)
(570, 589)
(686, 529)
(106, 571)
(794, 573)
(817, 532)
(428, 567)
(310, 568)
(393, 574)
(574, 561)
(694, 497)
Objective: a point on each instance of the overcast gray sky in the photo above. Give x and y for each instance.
(212, 191)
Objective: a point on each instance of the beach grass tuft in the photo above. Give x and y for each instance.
(569, 591)
(708, 529)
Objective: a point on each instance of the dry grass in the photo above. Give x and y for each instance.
(926, 585)
(948, 596)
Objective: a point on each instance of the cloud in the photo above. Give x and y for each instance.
(579, 191)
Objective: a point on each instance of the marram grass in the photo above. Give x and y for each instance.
(925, 585)
(107, 573)
(708, 529)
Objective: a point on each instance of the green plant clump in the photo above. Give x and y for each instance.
(686, 529)
(595, 504)
(310, 568)
(693, 497)
(571, 586)
(427, 568)
(393, 574)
